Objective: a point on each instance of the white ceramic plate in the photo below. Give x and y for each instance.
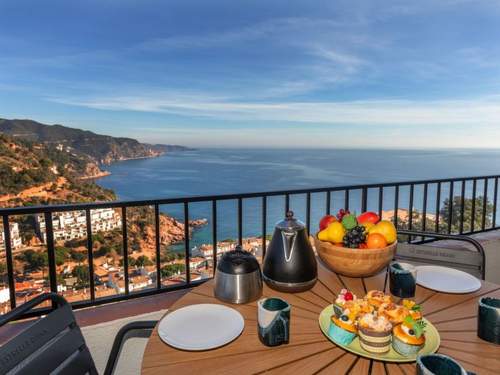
(201, 327)
(447, 280)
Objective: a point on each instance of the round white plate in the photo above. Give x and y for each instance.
(201, 327)
(447, 280)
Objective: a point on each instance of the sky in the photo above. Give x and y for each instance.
(350, 74)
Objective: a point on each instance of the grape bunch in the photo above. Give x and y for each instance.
(355, 237)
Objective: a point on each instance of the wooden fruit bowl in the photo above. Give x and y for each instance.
(354, 262)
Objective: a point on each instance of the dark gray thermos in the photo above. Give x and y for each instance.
(290, 263)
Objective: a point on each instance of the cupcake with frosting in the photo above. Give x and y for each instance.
(342, 298)
(409, 337)
(343, 329)
(393, 312)
(374, 333)
(415, 310)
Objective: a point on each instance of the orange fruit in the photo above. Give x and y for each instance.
(376, 241)
(385, 228)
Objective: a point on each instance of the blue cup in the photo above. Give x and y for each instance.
(273, 321)
(488, 320)
(439, 364)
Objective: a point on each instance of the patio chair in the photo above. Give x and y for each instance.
(421, 253)
(54, 344)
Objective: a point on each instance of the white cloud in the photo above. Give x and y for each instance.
(367, 112)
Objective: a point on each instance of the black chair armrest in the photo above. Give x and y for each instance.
(455, 237)
(147, 325)
(20, 310)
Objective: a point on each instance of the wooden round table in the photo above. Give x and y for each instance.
(309, 351)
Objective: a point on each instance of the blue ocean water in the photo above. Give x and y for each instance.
(225, 171)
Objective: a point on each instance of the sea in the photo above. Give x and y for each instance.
(228, 171)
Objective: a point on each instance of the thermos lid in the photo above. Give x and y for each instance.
(290, 223)
(237, 262)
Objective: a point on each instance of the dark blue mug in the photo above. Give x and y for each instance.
(488, 320)
(439, 364)
(273, 321)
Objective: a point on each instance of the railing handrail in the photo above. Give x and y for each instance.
(23, 210)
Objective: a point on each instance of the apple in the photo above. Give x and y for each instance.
(368, 217)
(326, 221)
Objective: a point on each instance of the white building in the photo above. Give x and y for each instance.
(73, 224)
(15, 237)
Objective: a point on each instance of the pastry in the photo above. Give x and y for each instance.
(414, 309)
(394, 313)
(377, 297)
(343, 329)
(374, 333)
(343, 297)
(409, 337)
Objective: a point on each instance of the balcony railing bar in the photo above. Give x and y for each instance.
(308, 212)
(264, 225)
(50, 252)
(10, 264)
(462, 207)
(495, 198)
(125, 248)
(485, 201)
(473, 208)
(364, 199)
(186, 242)
(380, 200)
(90, 254)
(287, 203)
(328, 202)
(450, 207)
(240, 221)
(158, 246)
(214, 235)
(410, 209)
(396, 205)
(346, 199)
(424, 207)
(438, 203)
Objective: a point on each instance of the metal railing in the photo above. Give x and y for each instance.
(355, 196)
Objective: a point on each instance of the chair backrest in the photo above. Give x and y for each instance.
(459, 258)
(52, 345)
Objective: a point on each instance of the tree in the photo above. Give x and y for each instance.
(61, 254)
(78, 257)
(172, 269)
(82, 275)
(142, 261)
(457, 212)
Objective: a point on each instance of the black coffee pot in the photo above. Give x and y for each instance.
(290, 264)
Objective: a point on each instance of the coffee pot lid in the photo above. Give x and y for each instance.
(290, 223)
(237, 262)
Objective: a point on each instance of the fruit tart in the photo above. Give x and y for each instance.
(393, 312)
(343, 297)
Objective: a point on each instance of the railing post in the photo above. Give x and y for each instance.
(424, 208)
(214, 235)
(450, 207)
(380, 200)
(186, 242)
(328, 202)
(485, 201)
(90, 254)
(264, 229)
(8, 258)
(364, 199)
(125, 248)
(287, 203)
(495, 197)
(396, 205)
(308, 213)
(473, 208)
(49, 232)
(346, 199)
(410, 208)
(438, 205)
(240, 221)
(462, 207)
(158, 246)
